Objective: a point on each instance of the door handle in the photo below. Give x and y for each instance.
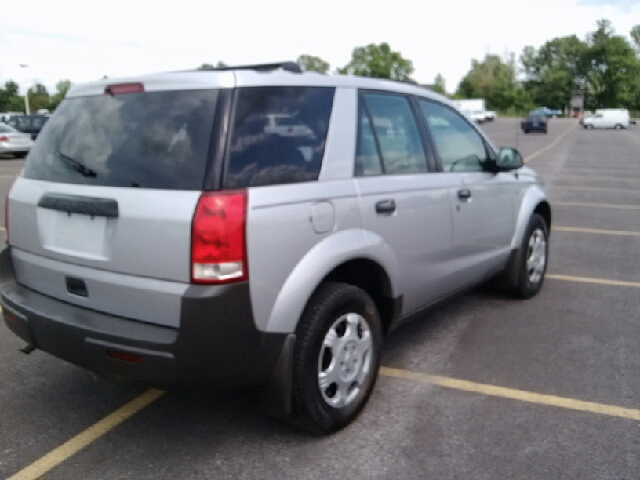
(385, 207)
(464, 194)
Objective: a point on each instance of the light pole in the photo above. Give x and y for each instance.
(26, 94)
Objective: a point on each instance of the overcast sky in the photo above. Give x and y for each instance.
(84, 40)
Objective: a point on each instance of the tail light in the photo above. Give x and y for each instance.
(4, 138)
(218, 250)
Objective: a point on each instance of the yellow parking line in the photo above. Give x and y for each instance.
(599, 281)
(514, 394)
(551, 145)
(596, 205)
(598, 231)
(77, 443)
(596, 189)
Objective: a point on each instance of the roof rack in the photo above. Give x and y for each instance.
(266, 67)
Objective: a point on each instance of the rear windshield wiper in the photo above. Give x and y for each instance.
(79, 167)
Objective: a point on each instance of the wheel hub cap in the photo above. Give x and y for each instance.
(344, 362)
(536, 255)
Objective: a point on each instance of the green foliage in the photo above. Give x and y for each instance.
(378, 61)
(38, 97)
(9, 99)
(604, 67)
(635, 37)
(309, 63)
(209, 66)
(62, 87)
(439, 85)
(554, 71)
(493, 80)
(612, 69)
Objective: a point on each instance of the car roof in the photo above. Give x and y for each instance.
(205, 79)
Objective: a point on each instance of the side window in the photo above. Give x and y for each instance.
(367, 158)
(278, 135)
(459, 145)
(394, 126)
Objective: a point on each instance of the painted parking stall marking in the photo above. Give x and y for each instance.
(513, 394)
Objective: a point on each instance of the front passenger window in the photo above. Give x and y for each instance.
(460, 147)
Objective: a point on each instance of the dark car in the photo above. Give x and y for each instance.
(534, 123)
(31, 124)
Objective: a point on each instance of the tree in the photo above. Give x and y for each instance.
(10, 101)
(613, 69)
(38, 97)
(554, 71)
(635, 37)
(439, 84)
(493, 80)
(378, 61)
(62, 87)
(309, 63)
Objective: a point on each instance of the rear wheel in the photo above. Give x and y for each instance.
(20, 154)
(526, 131)
(336, 358)
(618, 127)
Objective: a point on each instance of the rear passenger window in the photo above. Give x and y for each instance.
(278, 136)
(391, 119)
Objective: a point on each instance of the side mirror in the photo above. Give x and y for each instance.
(509, 159)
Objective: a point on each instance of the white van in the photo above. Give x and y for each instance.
(607, 118)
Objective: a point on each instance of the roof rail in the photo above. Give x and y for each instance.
(266, 67)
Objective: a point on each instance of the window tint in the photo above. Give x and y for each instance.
(149, 140)
(278, 135)
(459, 145)
(397, 133)
(367, 157)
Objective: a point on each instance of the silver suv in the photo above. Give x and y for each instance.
(162, 232)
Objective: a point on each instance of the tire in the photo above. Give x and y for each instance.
(544, 131)
(526, 131)
(334, 313)
(618, 127)
(20, 155)
(531, 270)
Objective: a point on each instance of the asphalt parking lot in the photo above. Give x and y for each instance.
(483, 387)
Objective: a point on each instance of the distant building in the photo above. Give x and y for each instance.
(576, 106)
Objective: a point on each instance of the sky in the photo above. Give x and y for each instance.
(83, 40)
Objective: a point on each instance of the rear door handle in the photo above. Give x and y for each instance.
(386, 207)
(464, 194)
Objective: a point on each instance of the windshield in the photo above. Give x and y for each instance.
(151, 140)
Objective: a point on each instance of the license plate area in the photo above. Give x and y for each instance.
(75, 234)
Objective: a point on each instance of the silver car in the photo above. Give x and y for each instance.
(160, 232)
(14, 142)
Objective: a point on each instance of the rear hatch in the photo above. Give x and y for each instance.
(101, 216)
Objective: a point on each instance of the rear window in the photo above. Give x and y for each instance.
(156, 140)
(278, 135)
(7, 129)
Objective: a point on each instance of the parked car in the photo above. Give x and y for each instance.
(547, 112)
(154, 237)
(31, 124)
(490, 115)
(607, 118)
(14, 142)
(534, 123)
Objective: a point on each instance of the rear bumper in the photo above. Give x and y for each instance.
(216, 345)
(6, 148)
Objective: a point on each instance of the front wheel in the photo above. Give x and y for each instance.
(336, 358)
(533, 258)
